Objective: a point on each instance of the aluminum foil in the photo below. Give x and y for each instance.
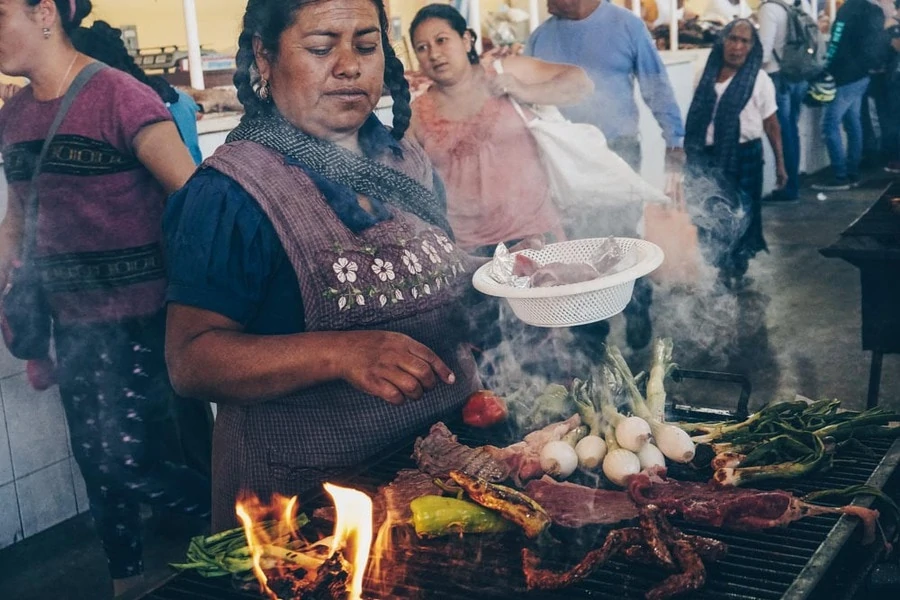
(501, 269)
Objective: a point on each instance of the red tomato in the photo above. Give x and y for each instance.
(484, 409)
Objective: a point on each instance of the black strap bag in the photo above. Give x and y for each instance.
(25, 319)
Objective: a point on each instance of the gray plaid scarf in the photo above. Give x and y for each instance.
(362, 175)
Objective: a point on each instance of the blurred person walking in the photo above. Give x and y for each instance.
(614, 47)
(497, 188)
(100, 201)
(733, 107)
(774, 26)
(857, 43)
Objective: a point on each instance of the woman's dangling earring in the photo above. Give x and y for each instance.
(46, 32)
(262, 90)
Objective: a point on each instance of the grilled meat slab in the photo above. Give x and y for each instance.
(572, 505)
(735, 508)
(438, 453)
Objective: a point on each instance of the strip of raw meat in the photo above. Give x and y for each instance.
(438, 453)
(735, 508)
(572, 505)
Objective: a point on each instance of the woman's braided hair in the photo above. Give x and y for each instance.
(268, 19)
(69, 20)
(457, 22)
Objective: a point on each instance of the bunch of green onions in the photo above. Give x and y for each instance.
(787, 439)
(227, 552)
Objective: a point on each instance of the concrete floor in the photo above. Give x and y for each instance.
(795, 329)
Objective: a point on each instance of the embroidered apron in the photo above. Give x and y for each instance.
(399, 275)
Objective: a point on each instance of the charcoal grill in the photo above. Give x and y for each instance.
(872, 244)
(791, 563)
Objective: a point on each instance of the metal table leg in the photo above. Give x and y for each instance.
(874, 378)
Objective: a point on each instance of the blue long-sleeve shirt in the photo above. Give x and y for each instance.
(614, 47)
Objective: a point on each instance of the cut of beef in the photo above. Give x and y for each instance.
(734, 508)
(572, 505)
(438, 453)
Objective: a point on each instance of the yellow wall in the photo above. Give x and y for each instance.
(161, 22)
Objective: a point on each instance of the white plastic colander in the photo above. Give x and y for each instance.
(575, 303)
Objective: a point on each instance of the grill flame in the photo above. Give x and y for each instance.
(352, 533)
(278, 551)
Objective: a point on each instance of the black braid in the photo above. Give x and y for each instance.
(70, 22)
(243, 80)
(394, 78)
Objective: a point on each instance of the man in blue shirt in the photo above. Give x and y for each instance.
(614, 47)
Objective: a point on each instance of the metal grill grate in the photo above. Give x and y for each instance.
(769, 564)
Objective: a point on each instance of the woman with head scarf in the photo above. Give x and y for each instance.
(314, 285)
(733, 107)
(100, 196)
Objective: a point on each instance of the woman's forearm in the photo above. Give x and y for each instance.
(233, 367)
(773, 132)
(11, 231)
(568, 87)
(210, 357)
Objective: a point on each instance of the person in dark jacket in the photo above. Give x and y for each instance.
(857, 41)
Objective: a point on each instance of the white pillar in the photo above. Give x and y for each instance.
(814, 5)
(195, 63)
(832, 8)
(534, 15)
(673, 26)
(636, 7)
(475, 22)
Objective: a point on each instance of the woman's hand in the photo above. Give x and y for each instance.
(504, 84)
(781, 176)
(8, 90)
(390, 365)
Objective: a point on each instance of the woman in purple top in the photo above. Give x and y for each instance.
(101, 193)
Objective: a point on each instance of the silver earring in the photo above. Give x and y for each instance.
(46, 32)
(262, 90)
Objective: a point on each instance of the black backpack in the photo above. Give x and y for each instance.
(803, 57)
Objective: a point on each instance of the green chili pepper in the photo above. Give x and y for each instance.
(434, 516)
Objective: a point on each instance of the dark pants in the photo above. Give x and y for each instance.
(116, 394)
(789, 98)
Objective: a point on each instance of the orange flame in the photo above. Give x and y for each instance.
(278, 550)
(352, 533)
(267, 536)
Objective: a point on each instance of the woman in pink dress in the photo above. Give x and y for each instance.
(497, 190)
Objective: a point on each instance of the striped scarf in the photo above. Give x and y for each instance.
(339, 165)
(727, 126)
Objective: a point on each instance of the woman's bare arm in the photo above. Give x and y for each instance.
(12, 230)
(210, 357)
(536, 81)
(773, 132)
(160, 149)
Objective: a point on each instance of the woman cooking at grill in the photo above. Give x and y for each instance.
(313, 285)
(733, 106)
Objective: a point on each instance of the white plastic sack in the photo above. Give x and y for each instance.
(582, 170)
